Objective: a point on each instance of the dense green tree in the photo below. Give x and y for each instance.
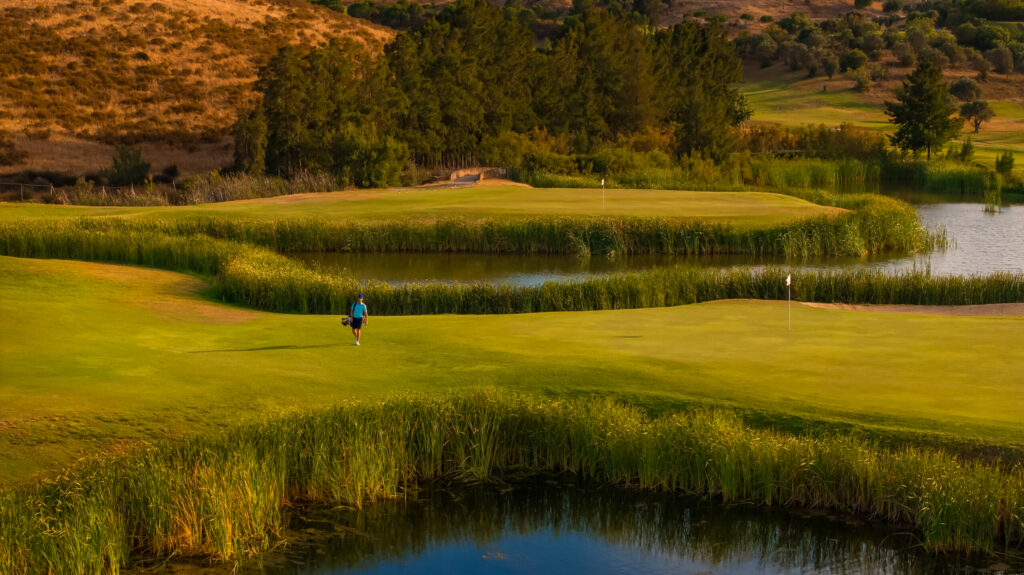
(923, 111)
(698, 74)
(469, 83)
(976, 113)
(965, 89)
(251, 142)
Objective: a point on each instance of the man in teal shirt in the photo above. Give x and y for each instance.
(358, 317)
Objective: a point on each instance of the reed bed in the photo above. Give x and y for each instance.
(263, 279)
(224, 496)
(835, 175)
(266, 283)
(786, 175)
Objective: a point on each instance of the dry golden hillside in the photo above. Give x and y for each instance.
(170, 75)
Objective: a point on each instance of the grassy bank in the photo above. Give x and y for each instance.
(863, 223)
(222, 496)
(750, 209)
(96, 357)
(265, 280)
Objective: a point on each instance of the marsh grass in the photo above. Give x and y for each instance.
(786, 176)
(224, 496)
(263, 279)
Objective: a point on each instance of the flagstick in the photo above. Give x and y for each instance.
(789, 305)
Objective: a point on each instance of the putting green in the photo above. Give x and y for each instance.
(95, 355)
(752, 208)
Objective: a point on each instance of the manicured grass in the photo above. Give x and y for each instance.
(753, 208)
(95, 355)
(792, 99)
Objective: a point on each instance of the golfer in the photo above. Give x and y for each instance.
(358, 317)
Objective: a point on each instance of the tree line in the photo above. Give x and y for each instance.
(472, 82)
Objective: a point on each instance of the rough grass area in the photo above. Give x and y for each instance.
(226, 496)
(168, 73)
(752, 208)
(99, 357)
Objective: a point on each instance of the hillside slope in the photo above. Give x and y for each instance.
(79, 75)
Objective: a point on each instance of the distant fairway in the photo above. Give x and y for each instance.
(788, 98)
(95, 356)
(499, 201)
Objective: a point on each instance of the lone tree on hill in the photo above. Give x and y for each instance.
(976, 112)
(924, 111)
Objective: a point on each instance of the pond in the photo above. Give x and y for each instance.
(982, 243)
(555, 528)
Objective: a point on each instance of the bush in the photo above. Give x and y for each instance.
(862, 80)
(1004, 163)
(766, 19)
(892, 6)
(128, 168)
(1001, 59)
(852, 60)
(965, 89)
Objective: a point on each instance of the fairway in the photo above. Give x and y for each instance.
(792, 99)
(94, 356)
(473, 202)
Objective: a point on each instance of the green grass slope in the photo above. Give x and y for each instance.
(779, 96)
(750, 208)
(99, 356)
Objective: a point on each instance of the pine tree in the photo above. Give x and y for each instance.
(923, 111)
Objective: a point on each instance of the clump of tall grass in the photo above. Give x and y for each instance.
(941, 177)
(264, 283)
(238, 186)
(835, 175)
(223, 496)
(263, 279)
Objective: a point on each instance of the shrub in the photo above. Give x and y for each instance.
(1004, 163)
(965, 89)
(852, 60)
(1001, 59)
(128, 168)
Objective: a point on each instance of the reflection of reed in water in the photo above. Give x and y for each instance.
(658, 524)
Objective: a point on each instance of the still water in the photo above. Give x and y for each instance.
(982, 243)
(552, 528)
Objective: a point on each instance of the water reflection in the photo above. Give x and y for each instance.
(983, 243)
(552, 528)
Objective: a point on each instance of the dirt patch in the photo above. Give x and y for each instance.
(987, 310)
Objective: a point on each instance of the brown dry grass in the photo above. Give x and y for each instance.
(170, 71)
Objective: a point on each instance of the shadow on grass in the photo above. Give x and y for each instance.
(268, 348)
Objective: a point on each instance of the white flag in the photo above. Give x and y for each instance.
(602, 181)
(788, 278)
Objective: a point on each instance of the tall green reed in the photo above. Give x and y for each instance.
(266, 280)
(224, 496)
